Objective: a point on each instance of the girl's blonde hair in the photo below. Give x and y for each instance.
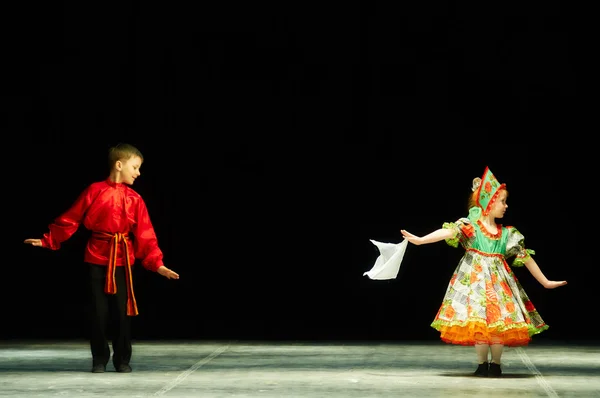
(473, 198)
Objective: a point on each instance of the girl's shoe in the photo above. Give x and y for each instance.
(494, 370)
(482, 370)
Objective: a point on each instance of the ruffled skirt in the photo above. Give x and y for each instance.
(486, 304)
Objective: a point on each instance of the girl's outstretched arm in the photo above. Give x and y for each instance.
(537, 273)
(435, 236)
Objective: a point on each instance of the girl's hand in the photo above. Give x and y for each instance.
(554, 284)
(416, 240)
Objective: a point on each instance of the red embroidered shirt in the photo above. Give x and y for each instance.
(110, 208)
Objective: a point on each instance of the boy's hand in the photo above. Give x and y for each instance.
(33, 242)
(167, 273)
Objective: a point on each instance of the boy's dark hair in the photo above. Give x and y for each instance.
(122, 151)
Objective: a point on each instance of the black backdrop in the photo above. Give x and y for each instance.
(279, 139)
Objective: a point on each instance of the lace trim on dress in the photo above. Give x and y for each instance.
(475, 331)
(452, 241)
(487, 233)
(522, 257)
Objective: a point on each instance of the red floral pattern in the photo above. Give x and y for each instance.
(468, 230)
(497, 307)
(488, 187)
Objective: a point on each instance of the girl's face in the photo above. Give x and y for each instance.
(499, 207)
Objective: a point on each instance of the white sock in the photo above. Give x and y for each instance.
(482, 352)
(497, 350)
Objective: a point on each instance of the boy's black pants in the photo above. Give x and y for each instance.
(108, 318)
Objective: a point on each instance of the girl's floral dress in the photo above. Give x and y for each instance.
(484, 302)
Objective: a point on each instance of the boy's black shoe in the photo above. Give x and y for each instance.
(482, 370)
(495, 370)
(98, 368)
(123, 368)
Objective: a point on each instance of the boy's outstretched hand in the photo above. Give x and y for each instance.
(33, 242)
(167, 273)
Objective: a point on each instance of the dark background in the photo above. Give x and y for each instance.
(278, 139)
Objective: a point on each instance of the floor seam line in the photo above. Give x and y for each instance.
(538, 375)
(182, 376)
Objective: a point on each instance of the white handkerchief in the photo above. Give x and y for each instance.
(388, 263)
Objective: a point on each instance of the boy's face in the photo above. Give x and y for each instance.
(129, 169)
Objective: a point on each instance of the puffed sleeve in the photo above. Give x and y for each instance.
(515, 246)
(65, 225)
(464, 232)
(146, 243)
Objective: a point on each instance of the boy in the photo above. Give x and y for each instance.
(121, 232)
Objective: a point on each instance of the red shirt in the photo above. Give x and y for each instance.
(110, 208)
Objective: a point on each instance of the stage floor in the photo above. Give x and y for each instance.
(298, 369)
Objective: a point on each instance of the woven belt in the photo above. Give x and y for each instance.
(110, 287)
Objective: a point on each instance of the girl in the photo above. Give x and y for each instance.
(485, 305)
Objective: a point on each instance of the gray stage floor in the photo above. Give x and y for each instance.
(298, 369)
